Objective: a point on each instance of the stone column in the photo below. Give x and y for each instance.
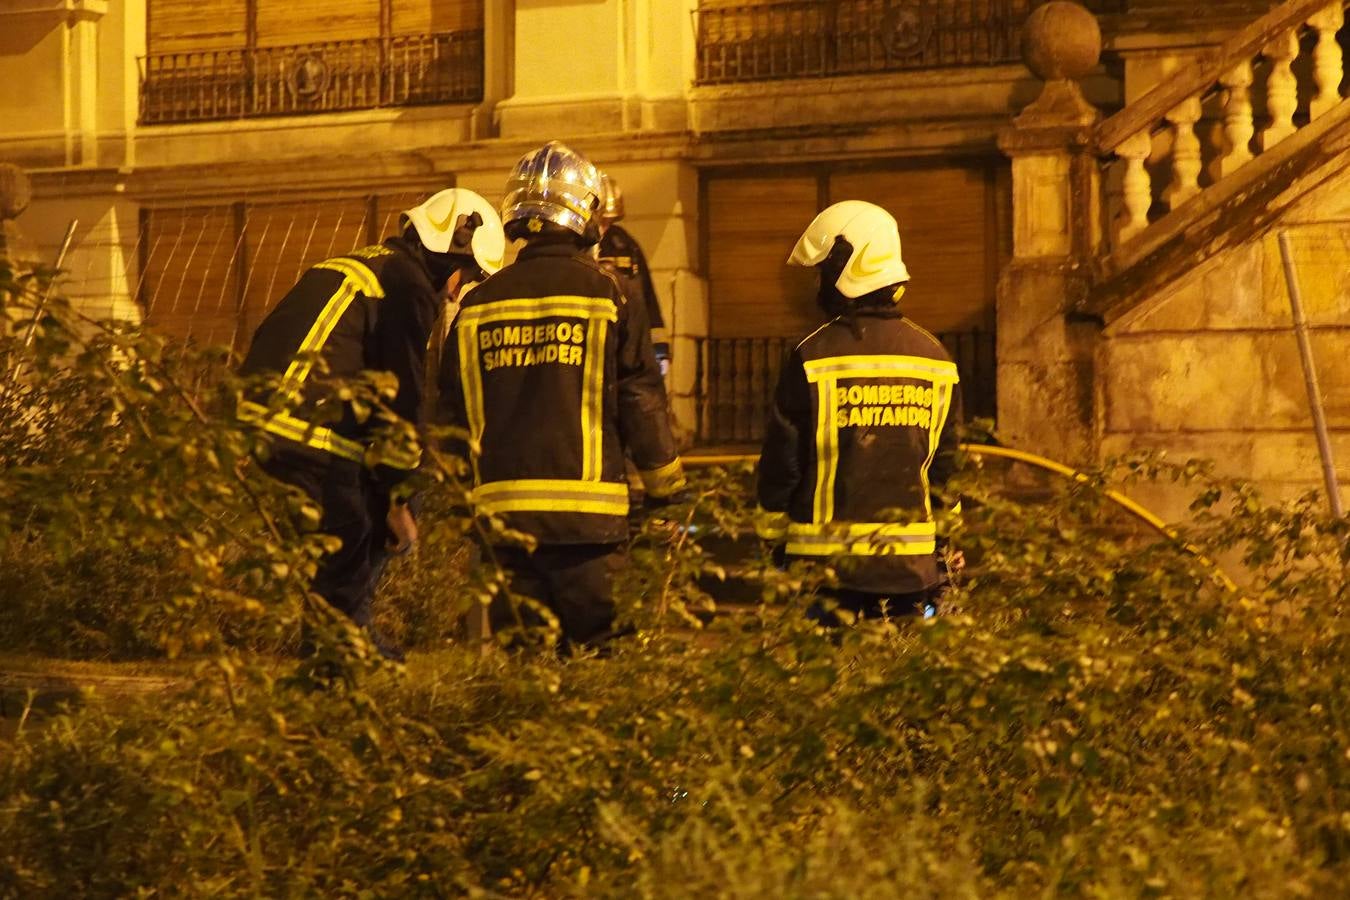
(82, 88)
(1045, 359)
(599, 67)
(499, 38)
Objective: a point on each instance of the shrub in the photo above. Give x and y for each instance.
(1093, 714)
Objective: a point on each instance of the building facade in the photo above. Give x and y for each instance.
(212, 148)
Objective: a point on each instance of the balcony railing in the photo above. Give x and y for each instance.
(320, 77)
(735, 379)
(818, 38)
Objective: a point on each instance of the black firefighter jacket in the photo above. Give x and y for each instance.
(552, 375)
(621, 254)
(372, 309)
(861, 428)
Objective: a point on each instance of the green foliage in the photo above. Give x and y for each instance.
(87, 604)
(1092, 715)
(127, 502)
(424, 596)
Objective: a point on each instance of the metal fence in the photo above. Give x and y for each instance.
(816, 38)
(319, 77)
(735, 379)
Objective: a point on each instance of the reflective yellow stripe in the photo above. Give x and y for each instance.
(664, 481)
(855, 530)
(543, 307)
(862, 539)
(472, 380)
(285, 425)
(827, 452)
(593, 401)
(771, 526)
(942, 404)
(552, 495)
(834, 367)
(323, 326)
(615, 489)
(359, 272)
(356, 278)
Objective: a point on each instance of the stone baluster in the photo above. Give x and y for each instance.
(1237, 117)
(1281, 90)
(1136, 187)
(1185, 182)
(1328, 60)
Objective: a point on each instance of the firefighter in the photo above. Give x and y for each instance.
(372, 309)
(620, 253)
(862, 427)
(551, 373)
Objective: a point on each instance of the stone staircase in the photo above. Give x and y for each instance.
(1144, 306)
(1213, 155)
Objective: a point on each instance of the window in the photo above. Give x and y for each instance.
(227, 59)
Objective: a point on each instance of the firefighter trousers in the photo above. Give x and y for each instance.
(575, 582)
(354, 510)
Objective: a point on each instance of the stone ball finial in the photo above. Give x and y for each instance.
(1060, 40)
(15, 191)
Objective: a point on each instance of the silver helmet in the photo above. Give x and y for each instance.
(553, 184)
(611, 199)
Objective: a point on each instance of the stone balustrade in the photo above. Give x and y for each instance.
(1219, 113)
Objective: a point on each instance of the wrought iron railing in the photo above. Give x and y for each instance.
(816, 38)
(320, 77)
(735, 379)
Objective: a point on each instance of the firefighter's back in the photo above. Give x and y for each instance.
(537, 346)
(885, 394)
(318, 331)
(878, 396)
(548, 377)
(862, 426)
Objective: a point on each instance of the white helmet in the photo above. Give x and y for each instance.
(446, 223)
(874, 237)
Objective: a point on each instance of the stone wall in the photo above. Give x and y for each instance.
(1210, 366)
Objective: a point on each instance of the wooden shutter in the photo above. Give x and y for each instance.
(316, 21)
(752, 226)
(950, 235)
(175, 26)
(189, 288)
(434, 16)
(284, 239)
